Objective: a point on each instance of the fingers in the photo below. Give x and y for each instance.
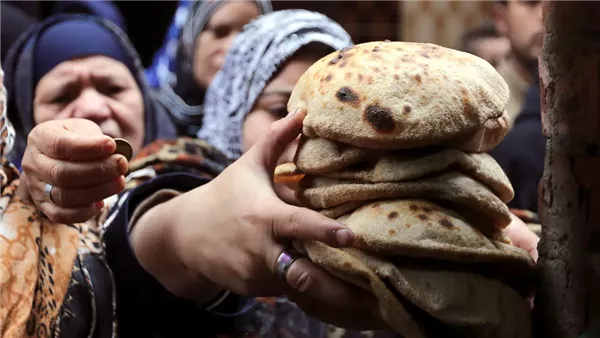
(71, 139)
(286, 194)
(82, 197)
(522, 237)
(309, 280)
(69, 215)
(289, 222)
(67, 174)
(271, 146)
(314, 282)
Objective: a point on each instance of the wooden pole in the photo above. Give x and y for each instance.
(567, 302)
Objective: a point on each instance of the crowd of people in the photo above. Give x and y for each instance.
(512, 44)
(186, 238)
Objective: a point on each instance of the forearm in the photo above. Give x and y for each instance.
(155, 247)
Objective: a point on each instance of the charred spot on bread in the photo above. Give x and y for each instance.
(347, 95)
(380, 118)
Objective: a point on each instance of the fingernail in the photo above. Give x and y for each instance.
(344, 237)
(122, 165)
(290, 115)
(108, 146)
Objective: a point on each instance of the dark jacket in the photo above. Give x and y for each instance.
(521, 154)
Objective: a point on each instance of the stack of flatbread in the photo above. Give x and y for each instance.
(393, 145)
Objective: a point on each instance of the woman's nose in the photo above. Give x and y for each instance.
(228, 41)
(91, 105)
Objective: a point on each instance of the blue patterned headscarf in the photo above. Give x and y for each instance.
(163, 65)
(255, 56)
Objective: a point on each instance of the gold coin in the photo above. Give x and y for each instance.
(124, 148)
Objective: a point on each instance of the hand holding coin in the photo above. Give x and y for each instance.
(124, 148)
(70, 167)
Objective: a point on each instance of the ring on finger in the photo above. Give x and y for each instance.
(48, 191)
(284, 262)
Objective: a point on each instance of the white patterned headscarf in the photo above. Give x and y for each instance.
(7, 132)
(255, 56)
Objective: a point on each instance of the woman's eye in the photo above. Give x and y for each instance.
(279, 112)
(116, 89)
(221, 31)
(62, 98)
(112, 90)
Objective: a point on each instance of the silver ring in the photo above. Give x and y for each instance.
(283, 263)
(48, 191)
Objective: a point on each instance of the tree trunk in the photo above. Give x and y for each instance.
(567, 301)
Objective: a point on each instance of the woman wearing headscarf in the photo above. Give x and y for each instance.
(200, 51)
(49, 73)
(179, 249)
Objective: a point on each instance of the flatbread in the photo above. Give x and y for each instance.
(469, 303)
(407, 165)
(319, 155)
(287, 173)
(341, 209)
(346, 267)
(422, 229)
(317, 193)
(399, 95)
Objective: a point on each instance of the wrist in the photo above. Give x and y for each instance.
(156, 245)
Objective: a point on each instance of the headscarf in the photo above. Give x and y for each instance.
(84, 38)
(39, 48)
(181, 95)
(7, 132)
(255, 56)
(162, 70)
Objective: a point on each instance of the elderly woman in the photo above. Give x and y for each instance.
(181, 253)
(197, 54)
(81, 68)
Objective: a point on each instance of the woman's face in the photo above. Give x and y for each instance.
(96, 88)
(271, 105)
(216, 38)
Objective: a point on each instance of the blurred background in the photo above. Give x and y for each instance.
(440, 22)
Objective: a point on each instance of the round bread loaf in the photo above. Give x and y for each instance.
(398, 95)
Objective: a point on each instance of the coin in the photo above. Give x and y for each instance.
(124, 148)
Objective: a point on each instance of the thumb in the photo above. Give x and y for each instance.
(81, 126)
(296, 223)
(71, 139)
(271, 146)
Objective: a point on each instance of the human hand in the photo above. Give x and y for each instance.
(233, 229)
(522, 236)
(78, 162)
